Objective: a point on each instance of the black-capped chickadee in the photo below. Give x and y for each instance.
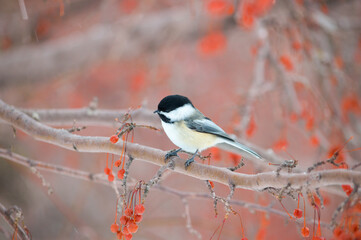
(192, 132)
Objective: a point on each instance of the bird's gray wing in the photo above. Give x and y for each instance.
(205, 125)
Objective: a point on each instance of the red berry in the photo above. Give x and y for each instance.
(124, 220)
(133, 227)
(117, 163)
(354, 227)
(128, 236)
(305, 231)
(139, 209)
(125, 230)
(357, 234)
(111, 177)
(286, 62)
(121, 173)
(244, 239)
(114, 227)
(297, 213)
(128, 212)
(346, 236)
(107, 170)
(314, 141)
(337, 231)
(347, 189)
(119, 235)
(114, 138)
(138, 218)
(211, 183)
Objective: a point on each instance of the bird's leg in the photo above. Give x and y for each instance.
(190, 160)
(171, 153)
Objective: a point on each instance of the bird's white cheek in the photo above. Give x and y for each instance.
(180, 113)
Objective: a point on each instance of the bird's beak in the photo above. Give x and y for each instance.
(156, 111)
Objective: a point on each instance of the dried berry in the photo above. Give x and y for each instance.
(117, 163)
(128, 236)
(128, 212)
(305, 231)
(139, 209)
(119, 235)
(297, 213)
(121, 173)
(347, 189)
(125, 230)
(114, 139)
(111, 177)
(124, 220)
(107, 171)
(114, 227)
(133, 227)
(138, 218)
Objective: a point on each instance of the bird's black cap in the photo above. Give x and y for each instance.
(171, 102)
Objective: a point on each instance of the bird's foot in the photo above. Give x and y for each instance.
(171, 153)
(190, 160)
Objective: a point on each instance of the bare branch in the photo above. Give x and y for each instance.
(98, 178)
(248, 205)
(63, 138)
(89, 116)
(102, 179)
(106, 117)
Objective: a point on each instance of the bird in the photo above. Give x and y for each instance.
(192, 132)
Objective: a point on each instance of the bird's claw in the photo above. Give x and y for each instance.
(171, 153)
(188, 162)
(174, 153)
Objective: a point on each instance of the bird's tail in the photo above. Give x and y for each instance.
(238, 148)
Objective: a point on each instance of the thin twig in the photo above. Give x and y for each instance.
(14, 216)
(187, 216)
(343, 205)
(24, 13)
(157, 177)
(214, 197)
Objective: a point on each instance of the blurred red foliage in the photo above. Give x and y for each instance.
(280, 144)
(252, 9)
(286, 62)
(350, 104)
(251, 128)
(219, 8)
(212, 43)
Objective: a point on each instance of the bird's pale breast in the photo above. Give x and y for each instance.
(188, 139)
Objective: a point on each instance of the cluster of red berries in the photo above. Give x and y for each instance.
(350, 232)
(132, 214)
(305, 231)
(128, 222)
(108, 171)
(349, 227)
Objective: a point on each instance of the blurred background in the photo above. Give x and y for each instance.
(276, 73)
